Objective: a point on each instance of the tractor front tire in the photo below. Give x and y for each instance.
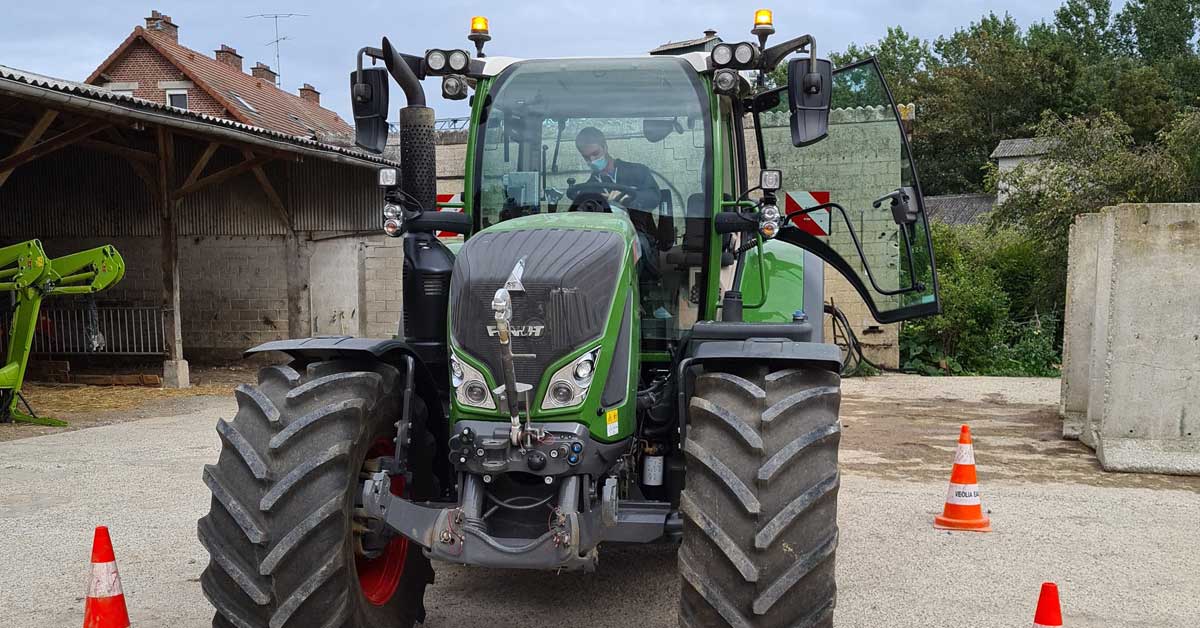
(283, 534)
(760, 506)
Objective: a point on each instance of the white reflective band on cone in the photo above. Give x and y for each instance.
(104, 581)
(964, 455)
(963, 495)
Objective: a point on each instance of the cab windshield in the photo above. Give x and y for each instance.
(626, 136)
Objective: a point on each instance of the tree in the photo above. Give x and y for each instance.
(1086, 24)
(1158, 30)
(902, 58)
(991, 82)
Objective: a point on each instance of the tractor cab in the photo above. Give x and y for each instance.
(624, 137)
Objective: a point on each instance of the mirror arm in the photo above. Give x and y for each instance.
(773, 55)
(402, 72)
(374, 53)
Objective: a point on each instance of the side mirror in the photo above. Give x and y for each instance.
(809, 93)
(369, 94)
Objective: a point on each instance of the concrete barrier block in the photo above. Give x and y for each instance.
(1098, 351)
(1078, 322)
(1150, 389)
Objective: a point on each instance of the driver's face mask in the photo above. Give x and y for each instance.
(595, 156)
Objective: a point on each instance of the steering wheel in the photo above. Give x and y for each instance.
(592, 196)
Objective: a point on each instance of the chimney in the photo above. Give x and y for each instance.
(710, 33)
(264, 72)
(162, 24)
(229, 57)
(310, 93)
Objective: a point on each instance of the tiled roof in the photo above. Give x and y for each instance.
(1022, 147)
(92, 92)
(248, 99)
(958, 209)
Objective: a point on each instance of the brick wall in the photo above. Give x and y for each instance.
(145, 66)
(383, 262)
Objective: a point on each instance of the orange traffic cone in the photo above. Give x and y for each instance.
(105, 606)
(1049, 613)
(963, 509)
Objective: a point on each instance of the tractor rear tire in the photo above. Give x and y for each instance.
(760, 506)
(282, 532)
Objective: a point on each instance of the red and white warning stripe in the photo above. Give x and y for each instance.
(965, 454)
(449, 198)
(815, 222)
(104, 581)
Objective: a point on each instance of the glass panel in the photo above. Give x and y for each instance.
(864, 158)
(556, 131)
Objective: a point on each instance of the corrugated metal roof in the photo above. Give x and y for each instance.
(1022, 147)
(676, 46)
(959, 209)
(93, 92)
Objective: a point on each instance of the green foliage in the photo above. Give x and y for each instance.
(1158, 30)
(1094, 162)
(984, 277)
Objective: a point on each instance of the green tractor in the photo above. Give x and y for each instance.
(625, 346)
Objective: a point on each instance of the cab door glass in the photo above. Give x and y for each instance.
(884, 252)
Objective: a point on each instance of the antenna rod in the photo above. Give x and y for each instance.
(275, 18)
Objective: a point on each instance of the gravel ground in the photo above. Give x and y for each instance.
(1121, 547)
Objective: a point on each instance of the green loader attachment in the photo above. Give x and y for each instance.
(27, 273)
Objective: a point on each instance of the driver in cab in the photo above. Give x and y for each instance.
(640, 197)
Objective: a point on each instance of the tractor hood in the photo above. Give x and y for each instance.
(562, 272)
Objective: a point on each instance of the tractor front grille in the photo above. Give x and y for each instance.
(570, 278)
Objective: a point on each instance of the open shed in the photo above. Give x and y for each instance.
(223, 226)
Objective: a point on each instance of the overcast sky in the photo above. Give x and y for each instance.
(69, 38)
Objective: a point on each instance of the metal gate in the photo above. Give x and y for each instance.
(110, 331)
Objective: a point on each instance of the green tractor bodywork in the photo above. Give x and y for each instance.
(27, 273)
(625, 346)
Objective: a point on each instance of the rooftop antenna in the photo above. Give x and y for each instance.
(275, 42)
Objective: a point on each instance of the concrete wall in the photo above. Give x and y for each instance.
(1077, 331)
(1143, 401)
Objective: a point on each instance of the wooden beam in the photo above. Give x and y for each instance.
(112, 147)
(272, 196)
(62, 140)
(201, 163)
(170, 247)
(31, 138)
(220, 176)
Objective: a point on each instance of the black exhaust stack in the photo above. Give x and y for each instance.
(428, 264)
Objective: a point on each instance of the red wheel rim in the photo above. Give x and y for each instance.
(380, 577)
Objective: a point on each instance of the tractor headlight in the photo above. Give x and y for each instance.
(469, 386)
(722, 54)
(725, 81)
(458, 60)
(770, 213)
(570, 384)
(392, 211)
(435, 61)
(745, 54)
(454, 87)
